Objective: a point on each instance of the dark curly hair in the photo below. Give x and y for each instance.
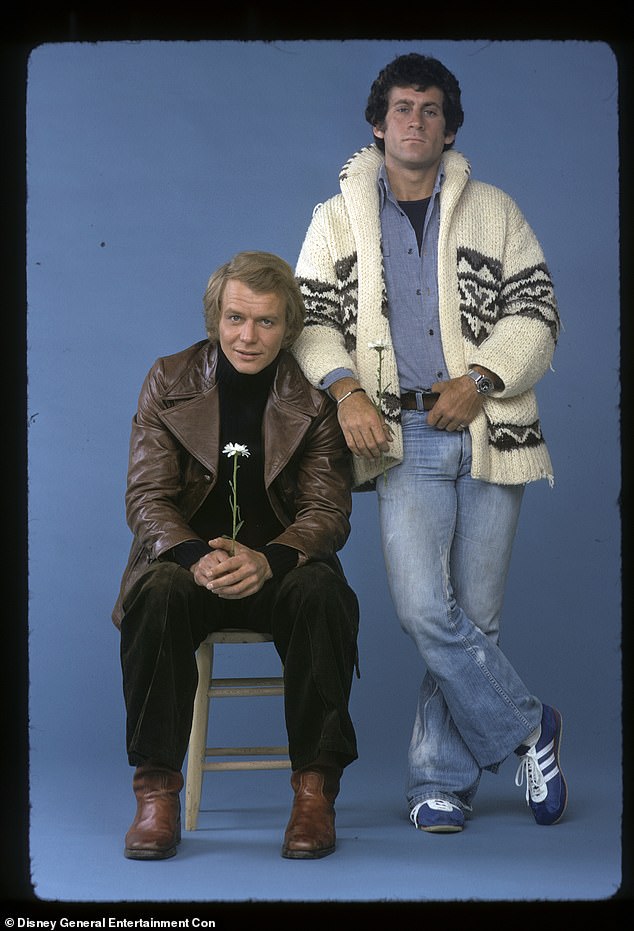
(419, 72)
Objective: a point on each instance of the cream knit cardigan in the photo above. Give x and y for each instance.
(496, 303)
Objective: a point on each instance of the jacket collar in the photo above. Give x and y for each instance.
(193, 414)
(369, 160)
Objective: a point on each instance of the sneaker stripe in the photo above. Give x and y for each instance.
(549, 748)
(552, 774)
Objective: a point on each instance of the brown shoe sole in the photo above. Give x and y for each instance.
(140, 854)
(307, 854)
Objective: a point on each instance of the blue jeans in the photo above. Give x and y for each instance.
(447, 542)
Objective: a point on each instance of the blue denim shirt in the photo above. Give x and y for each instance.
(411, 280)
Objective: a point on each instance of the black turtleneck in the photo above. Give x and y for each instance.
(416, 211)
(242, 400)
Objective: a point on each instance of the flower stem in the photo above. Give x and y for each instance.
(234, 505)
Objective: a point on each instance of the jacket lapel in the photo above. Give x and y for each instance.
(284, 427)
(288, 415)
(196, 424)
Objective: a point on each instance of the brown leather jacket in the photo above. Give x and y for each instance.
(174, 452)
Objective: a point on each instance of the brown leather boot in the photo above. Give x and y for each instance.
(310, 833)
(156, 829)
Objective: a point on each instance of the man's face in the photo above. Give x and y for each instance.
(251, 327)
(414, 128)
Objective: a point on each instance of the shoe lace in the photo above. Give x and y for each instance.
(535, 783)
(438, 804)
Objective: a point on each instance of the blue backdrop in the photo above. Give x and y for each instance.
(151, 163)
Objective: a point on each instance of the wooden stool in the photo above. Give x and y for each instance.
(209, 688)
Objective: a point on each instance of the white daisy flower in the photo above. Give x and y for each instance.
(236, 449)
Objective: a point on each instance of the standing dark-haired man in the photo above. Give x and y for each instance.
(430, 318)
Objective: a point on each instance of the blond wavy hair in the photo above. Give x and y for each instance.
(263, 273)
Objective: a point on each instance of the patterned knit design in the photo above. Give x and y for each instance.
(496, 304)
(485, 297)
(479, 282)
(514, 436)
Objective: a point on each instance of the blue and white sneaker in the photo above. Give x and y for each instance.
(437, 816)
(546, 789)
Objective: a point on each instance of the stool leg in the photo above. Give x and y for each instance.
(198, 736)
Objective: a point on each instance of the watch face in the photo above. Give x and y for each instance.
(482, 382)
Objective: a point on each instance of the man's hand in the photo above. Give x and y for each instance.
(458, 404)
(231, 576)
(363, 427)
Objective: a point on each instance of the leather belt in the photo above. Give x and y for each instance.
(418, 400)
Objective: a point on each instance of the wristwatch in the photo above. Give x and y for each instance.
(483, 383)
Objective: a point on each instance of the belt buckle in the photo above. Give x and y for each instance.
(420, 395)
